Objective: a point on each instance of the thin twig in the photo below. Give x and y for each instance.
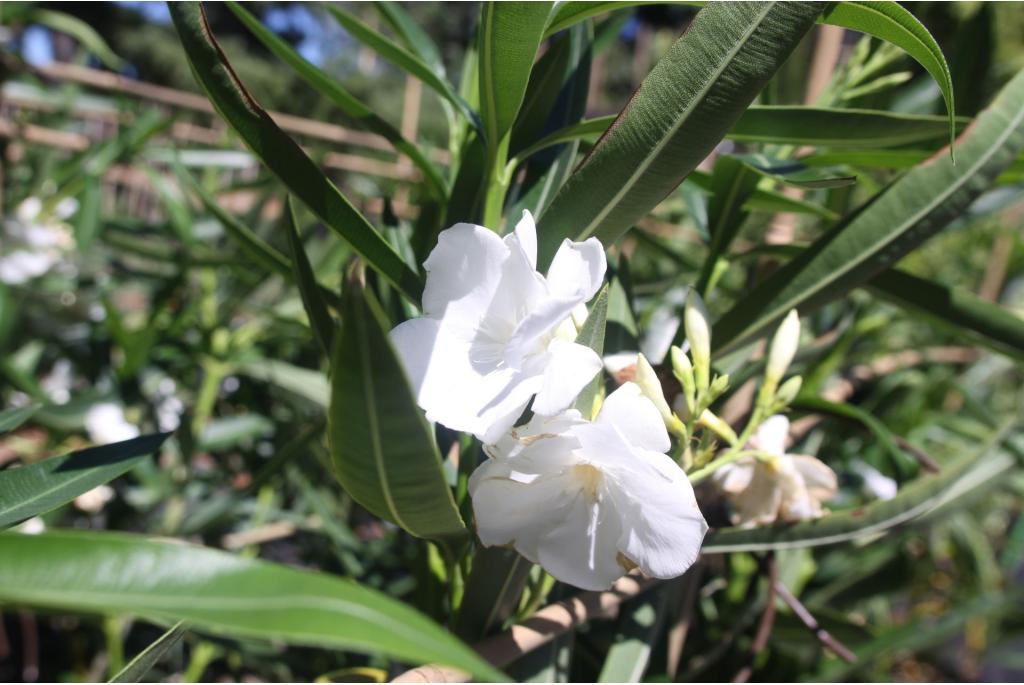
(922, 457)
(764, 628)
(824, 637)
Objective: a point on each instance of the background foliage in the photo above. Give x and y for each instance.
(203, 300)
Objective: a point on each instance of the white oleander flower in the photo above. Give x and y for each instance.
(590, 501)
(33, 244)
(790, 487)
(495, 332)
(105, 422)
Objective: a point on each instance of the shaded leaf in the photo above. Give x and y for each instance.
(37, 488)
(280, 153)
(383, 449)
(143, 663)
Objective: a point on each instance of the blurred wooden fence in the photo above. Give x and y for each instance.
(195, 129)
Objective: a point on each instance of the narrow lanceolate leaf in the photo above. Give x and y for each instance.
(913, 209)
(219, 593)
(684, 107)
(914, 501)
(555, 96)
(508, 38)
(591, 334)
(383, 449)
(886, 20)
(45, 485)
(891, 22)
(795, 125)
(360, 113)
(12, 418)
(280, 153)
(953, 308)
(411, 34)
(309, 289)
(144, 662)
(411, 63)
(86, 35)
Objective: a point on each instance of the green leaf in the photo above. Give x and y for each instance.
(556, 95)
(732, 183)
(635, 636)
(684, 107)
(303, 382)
(86, 35)
(895, 24)
(797, 125)
(144, 662)
(591, 334)
(220, 593)
(74, 176)
(492, 591)
(312, 296)
(14, 417)
(508, 38)
(383, 449)
(767, 200)
(411, 34)
(852, 412)
(360, 113)
(913, 209)
(954, 308)
(914, 501)
(886, 20)
(403, 59)
(45, 485)
(280, 153)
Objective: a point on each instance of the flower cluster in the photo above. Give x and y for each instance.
(587, 498)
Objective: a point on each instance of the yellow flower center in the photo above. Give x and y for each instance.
(589, 479)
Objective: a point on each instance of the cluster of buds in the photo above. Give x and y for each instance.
(701, 388)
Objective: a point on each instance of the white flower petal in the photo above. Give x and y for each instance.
(819, 479)
(735, 478)
(582, 549)
(525, 238)
(451, 389)
(635, 417)
(511, 513)
(463, 273)
(577, 269)
(771, 435)
(759, 503)
(569, 369)
(535, 328)
(662, 525)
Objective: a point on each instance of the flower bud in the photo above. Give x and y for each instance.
(788, 391)
(783, 348)
(712, 422)
(698, 332)
(718, 386)
(650, 386)
(682, 369)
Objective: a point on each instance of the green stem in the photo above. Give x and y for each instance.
(730, 456)
(499, 178)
